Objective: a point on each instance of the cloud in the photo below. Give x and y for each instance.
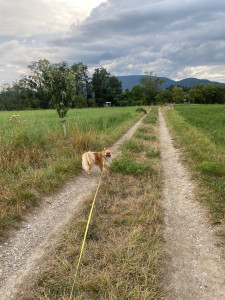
(161, 36)
(172, 38)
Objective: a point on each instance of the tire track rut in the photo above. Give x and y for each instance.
(195, 267)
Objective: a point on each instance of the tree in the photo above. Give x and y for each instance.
(35, 83)
(164, 96)
(105, 87)
(58, 81)
(196, 95)
(99, 85)
(178, 94)
(114, 89)
(82, 80)
(137, 94)
(125, 98)
(151, 85)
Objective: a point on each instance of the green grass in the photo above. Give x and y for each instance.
(132, 145)
(36, 159)
(122, 253)
(209, 119)
(204, 151)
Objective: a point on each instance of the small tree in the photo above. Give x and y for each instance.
(58, 81)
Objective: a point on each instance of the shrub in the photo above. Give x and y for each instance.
(140, 109)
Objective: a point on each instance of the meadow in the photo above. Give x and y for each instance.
(200, 131)
(209, 119)
(35, 158)
(122, 254)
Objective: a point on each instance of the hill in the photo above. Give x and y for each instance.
(129, 81)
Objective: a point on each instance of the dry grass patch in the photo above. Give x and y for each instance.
(123, 247)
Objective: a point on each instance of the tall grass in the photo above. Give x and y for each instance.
(203, 150)
(121, 258)
(35, 158)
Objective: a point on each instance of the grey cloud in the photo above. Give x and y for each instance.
(169, 37)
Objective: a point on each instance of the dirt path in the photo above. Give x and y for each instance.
(195, 269)
(22, 256)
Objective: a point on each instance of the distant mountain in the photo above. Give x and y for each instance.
(129, 81)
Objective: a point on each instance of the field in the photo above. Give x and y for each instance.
(200, 131)
(122, 253)
(209, 119)
(35, 158)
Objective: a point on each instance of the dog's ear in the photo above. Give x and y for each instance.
(104, 149)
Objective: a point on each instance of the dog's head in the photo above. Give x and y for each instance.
(107, 154)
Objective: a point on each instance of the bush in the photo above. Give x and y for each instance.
(140, 109)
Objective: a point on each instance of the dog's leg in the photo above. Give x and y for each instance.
(89, 170)
(101, 166)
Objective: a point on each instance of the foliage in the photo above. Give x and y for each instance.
(151, 87)
(164, 97)
(207, 94)
(178, 94)
(140, 109)
(82, 80)
(105, 87)
(58, 82)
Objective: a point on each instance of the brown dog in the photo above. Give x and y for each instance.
(95, 158)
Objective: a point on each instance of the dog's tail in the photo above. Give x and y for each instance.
(88, 159)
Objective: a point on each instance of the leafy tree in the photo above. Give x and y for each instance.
(164, 96)
(79, 101)
(137, 93)
(105, 87)
(196, 96)
(99, 85)
(18, 97)
(151, 86)
(178, 94)
(58, 81)
(82, 80)
(114, 89)
(125, 98)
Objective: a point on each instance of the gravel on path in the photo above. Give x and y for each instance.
(195, 268)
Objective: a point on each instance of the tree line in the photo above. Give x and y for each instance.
(48, 81)
(151, 93)
(62, 87)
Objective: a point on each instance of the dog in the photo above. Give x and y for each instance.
(89, 159)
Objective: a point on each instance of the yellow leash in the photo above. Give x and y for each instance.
(85, 235)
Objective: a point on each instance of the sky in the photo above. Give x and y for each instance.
(171, 38)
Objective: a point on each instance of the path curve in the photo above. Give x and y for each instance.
(22, 256)
(195, 269)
